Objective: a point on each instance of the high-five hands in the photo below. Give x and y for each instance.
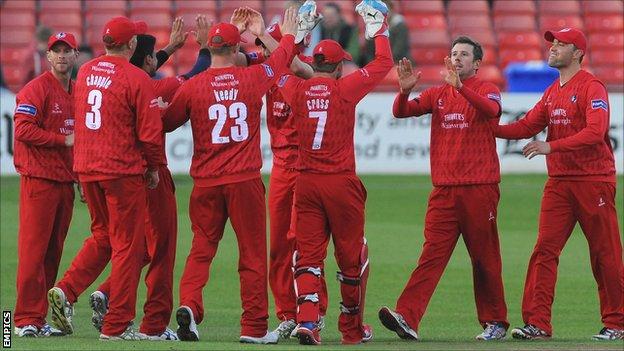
(201, 32)
(307, 19)
(450, 74)
(239, 19)
(407, 78)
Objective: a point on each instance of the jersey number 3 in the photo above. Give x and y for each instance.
(93, 119)
(238, 132)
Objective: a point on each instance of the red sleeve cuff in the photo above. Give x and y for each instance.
(59, 140)
(555, 146)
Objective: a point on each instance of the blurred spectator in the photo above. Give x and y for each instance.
(85, 53)
(37, 62)
(399, 38)
(335, 27)
(2, 83)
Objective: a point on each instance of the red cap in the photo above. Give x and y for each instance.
(568, 36)
(274, 31)
(229, 35)
(332, 51)
(121, 29)
(66, 38)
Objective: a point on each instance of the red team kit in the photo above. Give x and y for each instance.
(105, 133)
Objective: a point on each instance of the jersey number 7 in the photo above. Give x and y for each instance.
(320, 128)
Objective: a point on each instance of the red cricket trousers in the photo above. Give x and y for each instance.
(118, 212)
(592, 205)
(331, 204)
(160, 235)
(45, 210)
(282, 244)
(469, 210)
(209, 209)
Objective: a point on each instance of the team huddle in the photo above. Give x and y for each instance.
(105, 132)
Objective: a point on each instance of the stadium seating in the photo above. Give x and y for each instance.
(507, 30)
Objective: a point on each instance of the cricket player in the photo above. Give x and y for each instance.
(223, 104)
(329, 197)
(117, 154)
(464, 200)
(580, 188)
(284, 146)
(44, 135)
(162, 223)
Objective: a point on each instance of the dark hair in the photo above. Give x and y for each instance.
(319, 64)
(477, 50)
(144, 47)
(220, 50)
(334, 6)
(580, 58)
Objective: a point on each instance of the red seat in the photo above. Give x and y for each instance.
(429, 21)
(227, 7)
(108, 5)
(464, 22)
(556, 22)
(16, 37)
(10, 55)
(603, 7)
(559, 7)
(17, 18)
(611, 75)
(491, 73)
(507, 56)
(490, 55)
(430, 76)
(514, 23)
(425, 55)
(429, 38)
(151, 5)
(14, 74)
(484, 37)
(67, 20)
(520, 40)
(430, 6)
(518, 7)
(95, 21)
(607, 57)
(468, 6)
(189, 18)
(197, 5)
(162, 37)
(57, 6)
(154, 20)
(26, 5)
(604, 23)
(607, 40)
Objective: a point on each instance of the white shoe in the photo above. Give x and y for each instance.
(394, 321)
(129, 335)
(187, 329)
(167, 335)
(320, 325)
(609, 334)
(285, 328)
(492, 331)
(48, 330)
(268, 338)
(27, 331)
(61, 311)
(99, 305)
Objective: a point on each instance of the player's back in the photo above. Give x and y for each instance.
(106, 117)
(325, 123)
(224, 107)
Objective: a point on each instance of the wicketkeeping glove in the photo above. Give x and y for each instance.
(307, 19)
(374, 13)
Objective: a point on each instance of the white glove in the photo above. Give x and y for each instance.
(374, 13)
(307, 19)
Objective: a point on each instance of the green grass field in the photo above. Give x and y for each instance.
(394, 224)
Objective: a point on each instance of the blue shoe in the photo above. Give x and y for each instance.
(492, 331)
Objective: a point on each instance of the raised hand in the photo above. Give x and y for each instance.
(374, 13)
(255, 22)
(307, 19)
(239, 19)
(289, 24)
(177, 36)
(201, 32)
(407, 78)
(450, 74)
